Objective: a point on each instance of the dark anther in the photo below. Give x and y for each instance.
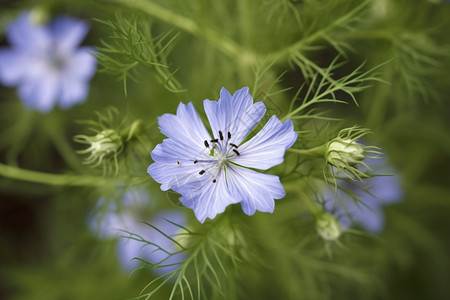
(229, 135)
(221, 135)
(201, 172)
(214, 181)
(214, 140)
(195, 161)
(235, 151)
(178, 163)
(206, 144)
(231, 144)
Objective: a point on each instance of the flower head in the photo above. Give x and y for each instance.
(46, 62)
(119, 220)
(373, 194)
(212, 171)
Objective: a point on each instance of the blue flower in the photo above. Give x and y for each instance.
(212, 172)
(46, 62)
(373, 194)
(116, 221)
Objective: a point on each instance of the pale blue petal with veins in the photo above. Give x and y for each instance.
(211, 171)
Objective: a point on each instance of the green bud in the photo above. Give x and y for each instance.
(346, 154)
(328, 227)
(343, 152)
(39, 16)
(107, 144)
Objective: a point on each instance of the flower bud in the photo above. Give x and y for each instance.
(344, 152)
(106, 144)
(328, 227)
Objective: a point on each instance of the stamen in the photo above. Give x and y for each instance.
(214, 181)
(206, 144)
(231, 144)
(178, 163)
(221, 135)
(195, 161)
(235, 151)
(214, 140)
(229, 135)
(201, 172)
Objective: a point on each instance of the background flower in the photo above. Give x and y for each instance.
(373, 194)
(119, 221)
(46, 63)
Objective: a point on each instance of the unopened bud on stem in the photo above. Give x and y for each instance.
(328, 227)
(105, 145)
(346, 154)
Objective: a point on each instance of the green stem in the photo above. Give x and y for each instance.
(51, 179)
(318, 151)
(313, 208)
(63, 147)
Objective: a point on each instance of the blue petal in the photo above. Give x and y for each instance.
(26, 36)
(81, 64)
(171, 151)
(72, 92)
(235, 114)
(129, 248)
(67, 33)
(40, 94)
(254, 190)
(266, 149)
(386, 188)
(185, 127)
(372, 220)
(174, 164)
(174, 159)
(171, 176)
(106, 225)
(14, 66)
(368, 214)
(206, 198)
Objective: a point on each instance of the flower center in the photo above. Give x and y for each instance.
(55, 59)
(221, 150)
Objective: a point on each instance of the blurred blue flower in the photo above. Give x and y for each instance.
(46, 62)
(212, 173)
(120, 221)
(373, 194)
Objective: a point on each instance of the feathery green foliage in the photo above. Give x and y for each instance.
(131, 43)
